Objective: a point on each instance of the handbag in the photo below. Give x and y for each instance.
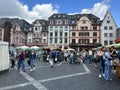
(28, 61)
(55, 59)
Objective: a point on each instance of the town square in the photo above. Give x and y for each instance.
(59, 45)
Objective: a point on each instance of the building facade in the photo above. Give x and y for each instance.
(108, 30)
(84, 31)
(15, 31)
(40, 33)
(58, 31)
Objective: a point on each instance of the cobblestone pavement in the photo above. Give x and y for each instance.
(63, 76)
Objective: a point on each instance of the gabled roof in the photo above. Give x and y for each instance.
(108, 12)
(15, 21)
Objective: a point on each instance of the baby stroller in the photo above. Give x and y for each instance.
(76, 60)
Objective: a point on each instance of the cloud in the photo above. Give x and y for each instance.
(13, 8)
(99, 9)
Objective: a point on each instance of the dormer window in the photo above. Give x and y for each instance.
(54, 16)
(58, 15)
(63, 15)
(73, 22)
(37, 22)
(66, 21)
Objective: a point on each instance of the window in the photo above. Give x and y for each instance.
(36, 29)
(80, 40)
(110, 28)
(94, 40)
(105, 35)
(61, 33)
(66, 40)
(80, 34)
(73, 22)
(111, 42)
(105, 42)
(73, 28)
(86, 34)
(66, 21)
(58, 22)
(55, 34)
(55, 40)
(110, 34)
(83, 28)
(44, 40)
(30, 41)
(105, 27)
(51, 34)
(60, 40)
(51, 40)
(86, 41)
(51, 28)
(59, 15)
(66, 34)
(108, 21)
(66, 28)
(83, 22)
(73, 40)
(94, 28)
(73, 34)
(94, 33)
(61, 28)
(51, 21)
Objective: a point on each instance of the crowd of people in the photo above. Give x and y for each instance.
(107, 60)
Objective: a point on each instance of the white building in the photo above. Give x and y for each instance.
(58, 31)
(108, 30)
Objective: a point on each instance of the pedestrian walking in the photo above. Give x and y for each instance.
(107, 65)
(32, 58)
(90, 56)
(51, 58)
(21, 60)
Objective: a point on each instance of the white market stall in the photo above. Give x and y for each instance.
(4, 56)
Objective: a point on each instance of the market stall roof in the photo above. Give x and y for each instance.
(117, 40)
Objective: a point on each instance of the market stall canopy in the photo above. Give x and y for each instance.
(12, 48)
(117, 40)
(34, 48)
(70, 49)
(23, 47)
(49, 47)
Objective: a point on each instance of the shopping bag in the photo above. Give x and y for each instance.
(55, 59)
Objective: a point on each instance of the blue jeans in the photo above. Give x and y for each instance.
(107, 69)
(32, 63)
(101, 65)
(84, 59)
(21, 62)
(90, 59)
(71, 60)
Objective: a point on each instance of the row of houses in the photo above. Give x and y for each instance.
(61, 30)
